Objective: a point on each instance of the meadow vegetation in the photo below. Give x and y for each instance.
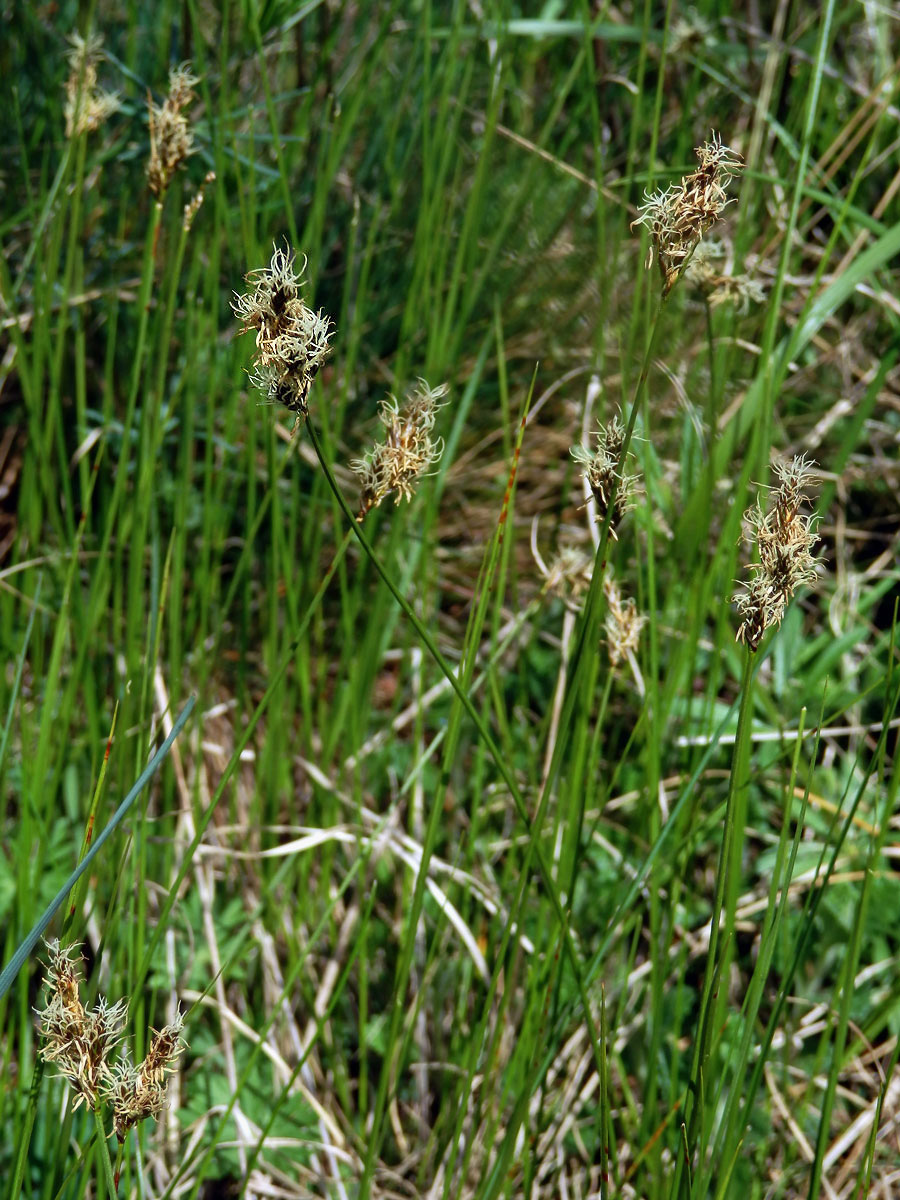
(448, 576)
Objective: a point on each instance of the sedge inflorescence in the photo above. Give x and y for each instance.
(87, 106)
(679, 216)
(722, 287)
(171, 138)
(292, 341)
(82, 1043)
(623, 623)
(611, 486)
(784, 537)
(138, 1092)
(408, 450)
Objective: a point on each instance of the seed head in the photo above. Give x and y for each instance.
(569, 575)
(604, 474)
(80, 1041)
(678, 217)
(139, 1092)
(171, 138)
(87, 106)
(623, 624)
(784, 538)
(408, 450)
(291, 339)
(719, 287)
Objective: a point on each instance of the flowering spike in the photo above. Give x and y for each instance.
(408, 450)
(678, 217)
(623, 624)
(79, 1041)
(82, 1042)
(140, 1092)
(171, 139)
(604, 474)
(87, 106)
(785, 539)
(292, 341)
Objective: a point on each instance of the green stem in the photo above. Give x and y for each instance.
(105, 1160)
(246, 734)
(493, 749)
(727, 878)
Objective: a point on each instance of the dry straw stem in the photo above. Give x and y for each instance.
(678, 217)
(82, 1044)
(87, 106)
(784, 538)
(602, 467)
(292, 341)
(171, 139)
(394, 465)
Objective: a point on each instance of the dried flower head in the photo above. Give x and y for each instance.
(87, 106)
(193, 206)
(739, 290)
(678, 217)
(80, 1041)
(603, 470)
(784, 537)
(569, 574)
(688, 32)
(291, 339)
(139, 1092)
(623, 624)
(408, 450)
(718, 286)
(171, 139)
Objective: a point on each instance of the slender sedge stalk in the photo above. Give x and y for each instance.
(729, 855)
(103, 1151)
(494, 751)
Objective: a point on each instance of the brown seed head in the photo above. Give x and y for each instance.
(408, 450)
(80, 1042)
(171, 139)
(292, 341)
(139, 1092)
(784, 538)
(678, 217)
(87, 106)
